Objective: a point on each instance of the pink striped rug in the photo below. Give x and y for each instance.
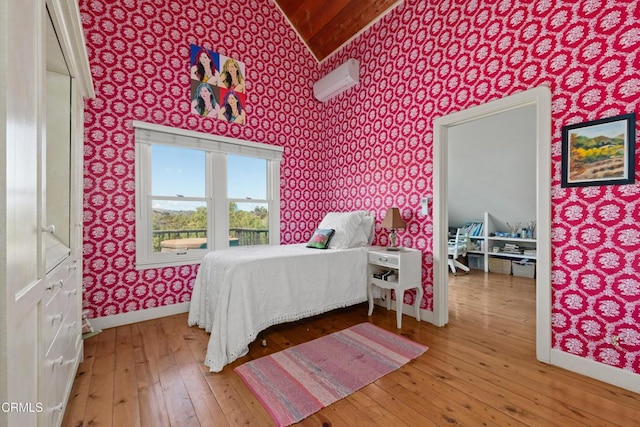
(294, 383)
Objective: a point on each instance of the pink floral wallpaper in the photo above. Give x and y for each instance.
(429, 60)
(139, 57)
(372, 147)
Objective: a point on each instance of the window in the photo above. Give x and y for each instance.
(197, 192)
(247, 199)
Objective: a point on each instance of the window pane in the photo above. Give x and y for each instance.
(179, 228)
(248, 224)
(246, 177)
(177, 172)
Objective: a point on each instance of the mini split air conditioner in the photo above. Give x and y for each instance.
(337, 81)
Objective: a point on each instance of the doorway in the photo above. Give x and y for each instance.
(540, 99)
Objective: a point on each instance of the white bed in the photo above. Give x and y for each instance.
(242, 291)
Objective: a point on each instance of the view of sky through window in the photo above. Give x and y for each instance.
(180, 172)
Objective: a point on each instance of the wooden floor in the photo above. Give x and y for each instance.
(479, 370)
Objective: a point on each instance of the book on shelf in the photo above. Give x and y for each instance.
(388, 275)
(511, 248)
(475, 228)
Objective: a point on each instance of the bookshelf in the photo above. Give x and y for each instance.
(482, 234)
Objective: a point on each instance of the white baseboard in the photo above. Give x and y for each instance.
(139, 316)
(426, 316)
(183, 307)
(409, 310)
(600, 371)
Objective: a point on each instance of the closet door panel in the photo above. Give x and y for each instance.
(22, 71)
(24, 144)
(23, 365)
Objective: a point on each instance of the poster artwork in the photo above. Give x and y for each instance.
(217, 85)
(599, 152)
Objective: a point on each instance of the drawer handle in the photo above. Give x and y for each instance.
(72, 325)
(49, 229)
(58, 361)
(58, 316)
(384, 259)
(72, 292)
(54, 284)
(57, 408)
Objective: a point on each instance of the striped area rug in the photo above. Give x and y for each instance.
(295, 383)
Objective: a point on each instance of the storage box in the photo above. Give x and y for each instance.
(499, 265)
(524, 269)
(476, 262)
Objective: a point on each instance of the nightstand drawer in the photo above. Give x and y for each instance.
(384, 259)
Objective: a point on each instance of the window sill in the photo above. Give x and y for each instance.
(173, 262)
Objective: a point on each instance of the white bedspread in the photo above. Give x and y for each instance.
(241, 291)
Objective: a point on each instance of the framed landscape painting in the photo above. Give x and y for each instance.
(599, 152)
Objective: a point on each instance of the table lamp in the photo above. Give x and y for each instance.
(393, 220)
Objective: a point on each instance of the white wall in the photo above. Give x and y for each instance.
(492, 168)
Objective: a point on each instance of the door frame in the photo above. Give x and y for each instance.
(541, 98)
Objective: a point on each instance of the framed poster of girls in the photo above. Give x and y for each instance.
(217, 85)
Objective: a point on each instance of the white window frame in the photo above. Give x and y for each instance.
(216, 149)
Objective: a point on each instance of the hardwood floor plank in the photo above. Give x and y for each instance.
(144, 349)
(380, 400)
(206, 406)
(179, 406)
(230, 400)
(480, 369)
(536, 375)
(508, 385)
(125, 390)
(443, 404)
(176, 398)
(99, 410)
(202, 399)
(152, 411)
(511, 404)
(77, 404)
(259, 415)
(341, 413)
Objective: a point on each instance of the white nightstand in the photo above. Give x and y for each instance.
(406, 266)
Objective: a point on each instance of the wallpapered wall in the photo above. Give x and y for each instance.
(426, 61)
(372, 147)
(139, 58)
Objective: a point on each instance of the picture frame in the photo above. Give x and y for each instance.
(599, 152)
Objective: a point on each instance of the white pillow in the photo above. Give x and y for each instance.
(364, 234)
(346, 225)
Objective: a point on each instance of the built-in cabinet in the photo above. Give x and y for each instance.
(498, 243)
(61, 339)
(44, 77)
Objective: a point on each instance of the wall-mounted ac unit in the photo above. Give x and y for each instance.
(337, 81)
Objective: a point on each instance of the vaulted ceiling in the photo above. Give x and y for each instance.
(327, 25)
